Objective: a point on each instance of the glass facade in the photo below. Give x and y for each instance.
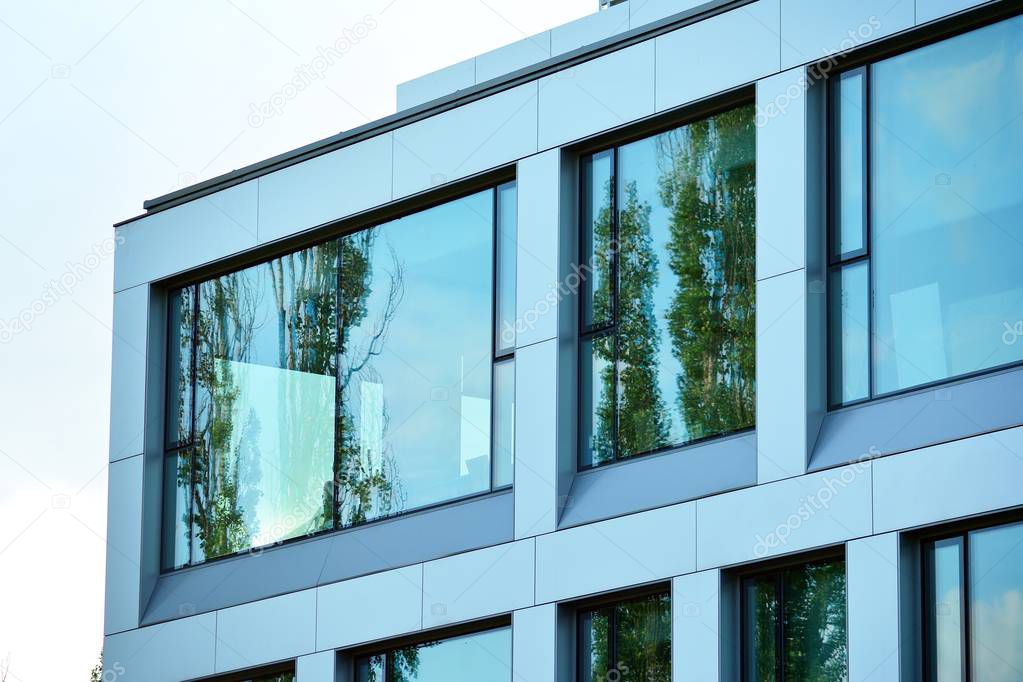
(667, 311)
(794, 624)
(973, 599)
(478, 656)
(629, 640)
(927, 221)
(342, 383)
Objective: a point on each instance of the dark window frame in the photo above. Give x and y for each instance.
(863, 60)
(608, 601)
(494, 183)
(957, 531)
(610, 143)
(775, 568)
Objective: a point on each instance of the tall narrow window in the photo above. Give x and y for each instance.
(794, 624)
(627, 640)
(926, 215)
(478, 656)
(352, 380)
(973, 596)
(667, 312)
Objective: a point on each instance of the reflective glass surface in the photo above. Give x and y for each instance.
(597, 254)
(507, 222)
(468, 658)
(945, 608)
(598, 400)
(849, 209)
(996, 603)
(265, 403)
(810, 602)
(417, 359)
(179, 367)
(682, 308)
(628, 641)
(849, 311)
(761, 616)
(947, 213)
(504, 423)
(177, 473)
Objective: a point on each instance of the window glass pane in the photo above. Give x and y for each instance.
(507, 219)
(370, 669)
(996, 603)
(596, 240)
(597, 393)
(849, 310)
(760, 639)
(177, 474)
(946, 610)
(266, 392)
(686, 279)
(595, 645)
(643, 632)
(815, 633)
(470, 658)
(179, 367)
(504, 422)
(849, 210)
(417, 360)
(947, 214)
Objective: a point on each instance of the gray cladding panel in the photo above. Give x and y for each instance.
(661, 480)
(943, 414)
(418, 537)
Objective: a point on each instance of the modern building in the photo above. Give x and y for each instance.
(682, 342)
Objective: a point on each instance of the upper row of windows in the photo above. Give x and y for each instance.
(373, 374)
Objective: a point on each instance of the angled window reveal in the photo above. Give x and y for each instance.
(342, 383)
(667, 312)
(926, 218)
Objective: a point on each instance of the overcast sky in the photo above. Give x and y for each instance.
(104, 104)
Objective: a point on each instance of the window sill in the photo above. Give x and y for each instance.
(659, 480)
(412, 538)
(960, 409)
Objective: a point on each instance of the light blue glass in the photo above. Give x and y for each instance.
(266, 403)
(416, 363)
(177, 490)
(849, 329)
(849, 210)
(469, 658)
(599, 403)
(507, 244)
(504, 423)
(947, 211)
(946, 594)
(996, 603)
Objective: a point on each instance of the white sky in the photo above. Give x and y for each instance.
(106, 103)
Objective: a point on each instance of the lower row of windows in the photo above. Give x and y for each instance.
(792, 623)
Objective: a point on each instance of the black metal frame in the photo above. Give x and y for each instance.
(865, 59)
(589, 606)
(610, 144)
(188, 445)
(960, 531)
(775, 569)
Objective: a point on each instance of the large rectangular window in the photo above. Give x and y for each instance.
(794, 624)
(973, 603)
(626, 640)
(926, 215)
(352, 380)
(667, 316)
(468, 658)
